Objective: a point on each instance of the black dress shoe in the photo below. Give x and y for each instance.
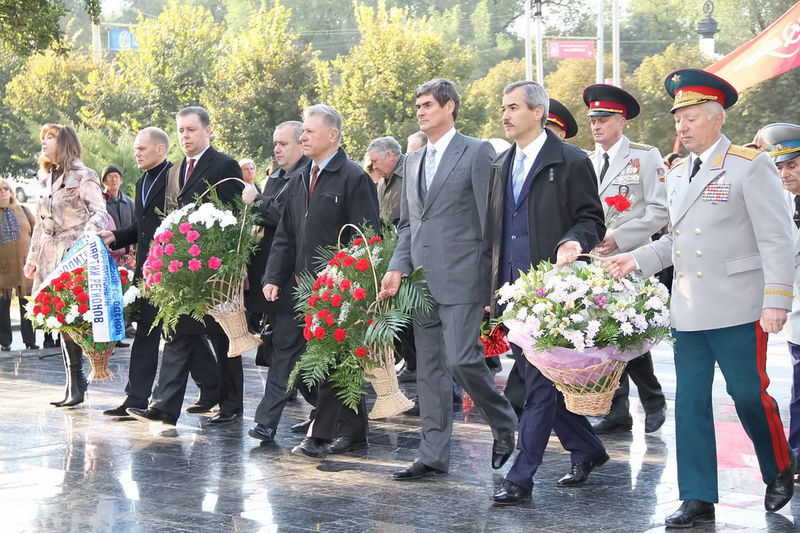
(5, 348)
(49, 343)
(610, 426)
(152, 415)
(654, 421)
(300, 427)
(121, 344)
(407, 376)
(345, 444)
(222, 417)
(262, 433)
(311, 447)
(780, 491)
(417, 470)
(689, 512)
(501, 451)
(31, 347)
(579, 472)
(510, 493)
(119, 412)
(200, 407)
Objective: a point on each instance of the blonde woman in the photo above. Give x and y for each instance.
(70, 203)
(16, 226)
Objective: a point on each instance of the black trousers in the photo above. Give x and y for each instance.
(332, 414)
(144, 364)
(406, 346)
(640, 370)
(289, 345)
(26, 328)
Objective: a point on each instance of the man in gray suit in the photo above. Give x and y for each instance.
(441, 230)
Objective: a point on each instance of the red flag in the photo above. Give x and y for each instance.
(772, 52)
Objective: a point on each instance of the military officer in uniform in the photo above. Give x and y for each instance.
(784, 142)
(733, 286)
(637, 172)
(560, 121)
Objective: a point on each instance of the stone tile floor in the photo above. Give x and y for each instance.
(70, 470)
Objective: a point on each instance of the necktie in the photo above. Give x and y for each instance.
(189, 170)
(605, 167)
(430, 166)
(695, 168)
(314, 176)
(518, 176)
(797, 210)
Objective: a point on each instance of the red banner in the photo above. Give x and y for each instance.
(772, 52)
(570, 49)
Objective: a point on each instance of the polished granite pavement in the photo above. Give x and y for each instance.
(75, 470)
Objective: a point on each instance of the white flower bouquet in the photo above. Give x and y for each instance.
(580, 327)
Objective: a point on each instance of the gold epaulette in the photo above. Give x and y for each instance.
(741, 151)
(640, 146)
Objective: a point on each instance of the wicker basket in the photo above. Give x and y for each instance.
(98, 354)
(390, 399)
(589, 390)
(228, 310)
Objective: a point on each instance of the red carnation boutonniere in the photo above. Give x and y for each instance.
(616, 204)
(493, 340)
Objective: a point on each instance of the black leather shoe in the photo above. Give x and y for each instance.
(121, 344)
(510, 493)
(31, 347)
(300, 427)
(152, 415)
(609, 426)
(689, 512)
(311, 447)
(119, 412)
(222, 417)
(414, 411)
(417, 470)
(501, 451)
(407, 376)
(654, 421)
(262, 433)
(5, 348)
(49, 343)
(345, 444)
(780, 491)
(200, 407)
(579, 472)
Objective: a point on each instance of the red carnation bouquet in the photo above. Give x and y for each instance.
(493, 340)
(615, 205)
(349, 332)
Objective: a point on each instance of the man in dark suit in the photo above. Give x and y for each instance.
(543, 205)
(150, 150)
(202, 168)
(441, 230)
(287, 331)
(326, 195)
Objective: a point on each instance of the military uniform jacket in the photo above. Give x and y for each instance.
(793, 324)
(731, 247)
(637, 172)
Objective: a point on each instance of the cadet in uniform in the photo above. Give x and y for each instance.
(733, 286)
(560, 121)
(637, 172)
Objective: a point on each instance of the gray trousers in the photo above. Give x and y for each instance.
(448, 347)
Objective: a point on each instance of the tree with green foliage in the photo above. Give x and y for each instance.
(373, 86)
(261, 76)
(482, 115)
(15, 132)
(566, 84)
(34, 26)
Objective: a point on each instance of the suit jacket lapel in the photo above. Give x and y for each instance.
(616, 165)
(547, 156)
(197, 173)
(411, 177)
(450, 158)
(709, 171)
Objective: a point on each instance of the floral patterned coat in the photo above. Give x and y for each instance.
(67, 208)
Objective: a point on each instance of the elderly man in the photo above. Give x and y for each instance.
(733, 286)
(248, 172)
(288, 339)
(387, 160)
(416, 141)
(327, 194)
(543, 206)
(635, 171)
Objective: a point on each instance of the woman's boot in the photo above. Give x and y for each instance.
(66, 386)
(76, 380)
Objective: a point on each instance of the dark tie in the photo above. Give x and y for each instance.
(695, 168)
(605, 167)
(797, 210)
(189, 170)
(314, 176)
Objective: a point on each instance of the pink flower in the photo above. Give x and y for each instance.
(185, 227)
(214, 263)
(194, 250)
(156, 278)
(169, 249)
(164, 236)
(195, 264)
(192, 236)
(600, 301)
(174, 266)
(156, 264)
(156, 252)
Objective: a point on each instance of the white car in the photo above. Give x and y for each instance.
(26, 187)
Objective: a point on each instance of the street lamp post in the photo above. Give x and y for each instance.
(707, 27)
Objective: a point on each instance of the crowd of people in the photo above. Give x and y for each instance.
(471, 219)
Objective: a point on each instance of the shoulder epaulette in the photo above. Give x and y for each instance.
(640, 146)
(741, 151)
